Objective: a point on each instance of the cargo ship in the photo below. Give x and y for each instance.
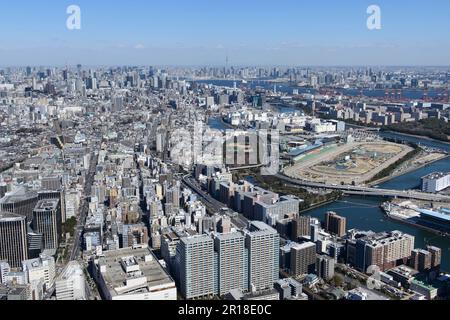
(437, 222)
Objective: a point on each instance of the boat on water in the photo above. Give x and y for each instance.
(425, 221)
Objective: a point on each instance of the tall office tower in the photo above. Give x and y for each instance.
(35, 244)
(436, 256)
(54, 195)
(301, 227)
(421, 260)
(263, 245)
(41, 269)
(196, 266)
(314, 232)
(13, 239)
(232, 262)
(47, 221)
(325, 267)
(160, 140)
(71, 284)
(155, 82)
(335, 224)
(20, 201)
(303, 258)
(173, 196)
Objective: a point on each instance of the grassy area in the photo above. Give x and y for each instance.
(433, 128)
(312, 156)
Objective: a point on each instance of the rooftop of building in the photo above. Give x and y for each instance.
(46, 205)
(204, 238)
(259, 228)
(368, 294)
(73, 268)
(301, 246)
(18, 195)
(6, 216)
(434, 214)
(381, 239)
(131, 269)
(404, 271)
(229, 236)
(436, 175)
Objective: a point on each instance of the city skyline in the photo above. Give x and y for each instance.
(224, 151)
(204, 33)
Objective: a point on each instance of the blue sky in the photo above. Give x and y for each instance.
(204, 32)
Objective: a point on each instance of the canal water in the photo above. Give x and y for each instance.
(365, 213)
(288, 88)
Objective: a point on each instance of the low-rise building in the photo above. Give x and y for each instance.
(133, 274)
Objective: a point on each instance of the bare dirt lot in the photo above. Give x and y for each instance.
(350, 163)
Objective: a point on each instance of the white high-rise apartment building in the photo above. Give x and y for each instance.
(196, 263)
(232, 262)
(71, 284)
(263, 244)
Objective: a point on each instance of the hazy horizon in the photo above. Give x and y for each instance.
(205, 33)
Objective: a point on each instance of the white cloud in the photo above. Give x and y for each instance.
(139, 46)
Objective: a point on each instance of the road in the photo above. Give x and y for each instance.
(84, 209)
(366, 191)
(212, 204)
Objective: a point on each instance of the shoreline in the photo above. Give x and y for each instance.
(317, 206)
(416, 136)
(387, 179)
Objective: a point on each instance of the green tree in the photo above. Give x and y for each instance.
(338, 280)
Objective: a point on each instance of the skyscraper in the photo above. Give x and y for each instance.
(335, 224)
(263, 244)
(232, 262)
(314, 232)
(20, 201)
(47, 221)
(196, 266)
(13, 239)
